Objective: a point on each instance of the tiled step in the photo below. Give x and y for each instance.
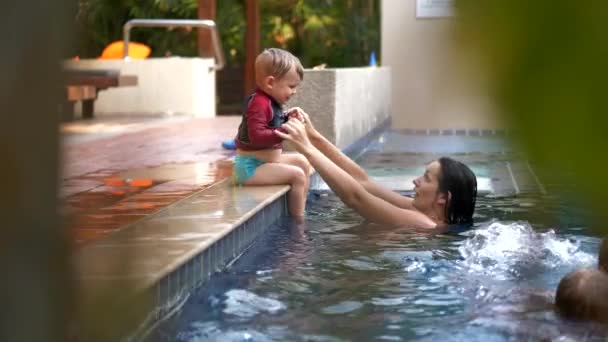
(140, 272)
(515, 177)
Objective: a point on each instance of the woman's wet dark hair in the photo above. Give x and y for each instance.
(458, 179)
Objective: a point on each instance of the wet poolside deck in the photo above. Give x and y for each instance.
(117, 170)
(151, 212)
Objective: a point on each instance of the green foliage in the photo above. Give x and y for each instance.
(339, 33)
(100, 23)
(231, 24)
(336, 32)
(545, 63)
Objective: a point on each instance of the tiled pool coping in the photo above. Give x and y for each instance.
(157, 261)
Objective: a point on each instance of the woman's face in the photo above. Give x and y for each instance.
(426, 188)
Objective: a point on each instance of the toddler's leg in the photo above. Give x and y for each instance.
(275, 174)
(300, 161)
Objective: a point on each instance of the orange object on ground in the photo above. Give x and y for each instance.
(141, 183)
(114, 182)
(116, 51)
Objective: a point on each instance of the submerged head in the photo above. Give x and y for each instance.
(447, 191)
(603, 256)
(278, 73)
(583, 295)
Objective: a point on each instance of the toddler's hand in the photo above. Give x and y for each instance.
(296, 112)
(303, 117)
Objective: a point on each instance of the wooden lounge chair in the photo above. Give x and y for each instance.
(84, 85)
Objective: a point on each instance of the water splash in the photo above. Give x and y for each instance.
(243, 303)
(507, 250)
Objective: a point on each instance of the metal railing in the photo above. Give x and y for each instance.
(170, 23)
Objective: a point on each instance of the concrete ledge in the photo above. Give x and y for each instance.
(345, 104)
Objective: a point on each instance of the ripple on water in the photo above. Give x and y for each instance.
(243, 303)
(295, 287)
(362, 264)
(437, 302)
(342, 308)
(405, 257)
(389, 301)
(457, 288)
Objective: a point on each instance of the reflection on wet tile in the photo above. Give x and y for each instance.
(116, 261)
(112, 181)
(87, 235)
(119, 199)
(195, 173)
(74, 186)
(158, 244)
(154, 231)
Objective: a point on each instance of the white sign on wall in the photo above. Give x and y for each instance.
(434, 8)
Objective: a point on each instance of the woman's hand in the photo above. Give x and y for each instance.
(296, 112)
(296, 133)
(301, 115)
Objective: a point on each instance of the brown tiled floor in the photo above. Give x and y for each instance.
(117, 170)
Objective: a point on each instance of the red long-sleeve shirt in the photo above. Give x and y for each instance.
(262, 117)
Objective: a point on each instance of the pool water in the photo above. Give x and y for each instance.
(338, 278)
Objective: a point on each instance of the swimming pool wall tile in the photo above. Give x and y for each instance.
(206, 265)
(452, 131)
(164, 290)
(199, 269)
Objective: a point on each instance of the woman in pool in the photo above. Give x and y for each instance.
(444, 195)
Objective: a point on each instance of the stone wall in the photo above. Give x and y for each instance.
(345, 104)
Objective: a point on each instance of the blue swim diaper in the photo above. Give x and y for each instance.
(244, 168)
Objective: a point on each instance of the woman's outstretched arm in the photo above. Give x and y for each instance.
(349, 166)
(350, 191)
